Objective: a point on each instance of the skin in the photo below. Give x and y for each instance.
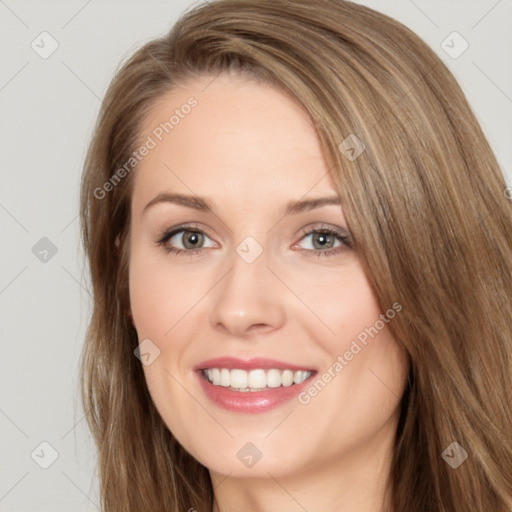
(250, 150)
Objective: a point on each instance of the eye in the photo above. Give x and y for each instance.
(183, 239)
(191, 240)
(319, 240)
(324, 241)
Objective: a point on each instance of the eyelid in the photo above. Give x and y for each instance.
(169, 233)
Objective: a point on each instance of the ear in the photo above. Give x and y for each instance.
(130, 316)
(117, 243)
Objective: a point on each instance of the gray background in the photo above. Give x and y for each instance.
(48, 110)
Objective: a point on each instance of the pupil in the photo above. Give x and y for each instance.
(322, 240)
(192, 239)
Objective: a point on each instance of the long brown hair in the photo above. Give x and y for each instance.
(425, 202)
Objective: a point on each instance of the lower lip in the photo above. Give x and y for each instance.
(250, 401)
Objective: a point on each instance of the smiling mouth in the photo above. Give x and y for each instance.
(254, 380)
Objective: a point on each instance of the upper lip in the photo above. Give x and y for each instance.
(249, 364)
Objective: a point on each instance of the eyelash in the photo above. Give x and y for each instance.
(345, 240)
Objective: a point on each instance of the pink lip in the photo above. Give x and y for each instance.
(248, 364)
(250, 402)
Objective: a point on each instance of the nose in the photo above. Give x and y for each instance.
(248, 300)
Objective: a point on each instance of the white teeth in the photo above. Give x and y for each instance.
(239, 379)
(254, 380)
(299, 376)
(274, 378)
(287, 378)
(225, 377)
(257, 379)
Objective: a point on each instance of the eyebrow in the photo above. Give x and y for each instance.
(202, 204)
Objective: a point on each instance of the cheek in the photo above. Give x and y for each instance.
(365, 369)
(159, 300)
(341, 305)
(161, 293)
(150, 298)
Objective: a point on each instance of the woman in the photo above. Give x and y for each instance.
(299, 243)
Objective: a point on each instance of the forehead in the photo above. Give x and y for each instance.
(230, 137)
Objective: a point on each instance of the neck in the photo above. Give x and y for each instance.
(355, 482)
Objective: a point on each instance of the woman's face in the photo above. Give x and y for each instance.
(264, 348)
